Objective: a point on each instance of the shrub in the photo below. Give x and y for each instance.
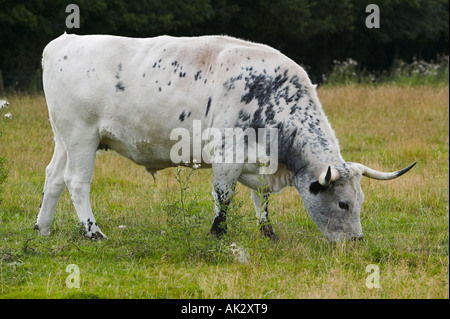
(418, 72)
(344, 72)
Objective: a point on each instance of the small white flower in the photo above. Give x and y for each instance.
(195, 166)
(239, 253)
(122, 226)
(8, 115)
(15, 264)
(3, 104)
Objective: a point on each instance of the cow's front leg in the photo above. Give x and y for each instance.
(225, 177)
(262, 215)
(219, 225)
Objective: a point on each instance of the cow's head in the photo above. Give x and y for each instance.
(333, 197)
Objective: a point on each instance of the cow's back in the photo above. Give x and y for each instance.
(82, 65)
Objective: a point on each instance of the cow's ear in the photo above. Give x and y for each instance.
(315, 188)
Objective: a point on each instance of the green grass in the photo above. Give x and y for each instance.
(164, 253)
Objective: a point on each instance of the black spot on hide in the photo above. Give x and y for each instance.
(120, 86)
(261, 87)
(244, 116)
(208, 106)
(182, 116)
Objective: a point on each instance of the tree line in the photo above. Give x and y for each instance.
(312, 33)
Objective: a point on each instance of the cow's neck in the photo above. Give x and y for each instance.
(309, 142)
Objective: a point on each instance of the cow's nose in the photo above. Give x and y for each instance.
(357, 238)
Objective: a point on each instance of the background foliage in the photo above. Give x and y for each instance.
(313, 33)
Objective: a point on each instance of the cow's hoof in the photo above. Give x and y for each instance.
(218, 232)
(41, 230)
(96, 235)
(267, 231)
(92, 231)
(219, 227)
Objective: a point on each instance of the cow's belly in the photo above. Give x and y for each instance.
(150, 149)
(141, 149)
(250, 176)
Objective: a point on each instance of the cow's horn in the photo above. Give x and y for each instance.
(329, 176)
(368, 172)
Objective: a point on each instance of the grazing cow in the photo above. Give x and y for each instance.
(129, 94)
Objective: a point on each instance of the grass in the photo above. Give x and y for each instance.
(160, 252)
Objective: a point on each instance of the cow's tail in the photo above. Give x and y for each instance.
(44, 57)
(42, 61)
(44, 53)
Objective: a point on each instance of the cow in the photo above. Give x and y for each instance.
(129, 94)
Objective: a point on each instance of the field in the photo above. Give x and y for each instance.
(158, 246)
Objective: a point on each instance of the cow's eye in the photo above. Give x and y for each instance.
(343, 205)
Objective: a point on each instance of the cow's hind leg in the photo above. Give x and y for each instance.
(78, 176)
(53, 188)
(265, 228)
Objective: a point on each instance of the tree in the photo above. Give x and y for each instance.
(313, 33)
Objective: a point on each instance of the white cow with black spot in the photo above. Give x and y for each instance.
(127, 94)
